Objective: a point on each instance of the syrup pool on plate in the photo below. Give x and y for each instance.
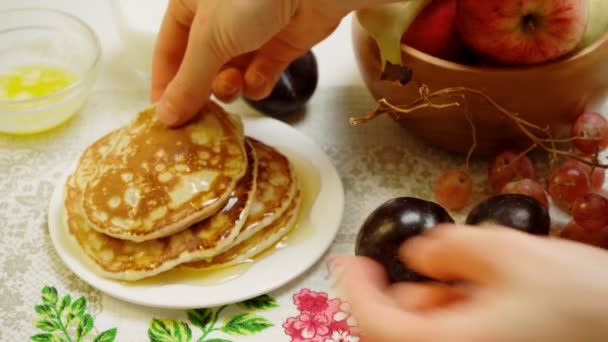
(310, 185)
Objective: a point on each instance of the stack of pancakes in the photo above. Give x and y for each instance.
(145, 199)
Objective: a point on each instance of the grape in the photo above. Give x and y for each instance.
(597, 174)
(293, 89)
(592, 130)
(591, 211)
(506, 167)
(566, 184)
(597, 179)
(527, 187)
(392, 223)
(574, 232)
(453, 189)
(516, 211)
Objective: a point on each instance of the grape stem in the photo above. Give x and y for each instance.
(547, 142)
(469, 118)
(571, 139)
(524, 153)
(511, 164)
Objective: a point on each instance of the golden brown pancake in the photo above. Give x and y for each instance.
(128, 260)
(153, 181)
(274, 207)
(276, 188)
(256, 244)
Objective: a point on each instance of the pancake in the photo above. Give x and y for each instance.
(276, 188)
(274, 209)
(128, 260)
(256, 244)
(152, 181)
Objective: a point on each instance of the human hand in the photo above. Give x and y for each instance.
(518, 287)
(226, 47)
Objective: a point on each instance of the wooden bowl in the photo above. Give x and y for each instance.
(550, 94)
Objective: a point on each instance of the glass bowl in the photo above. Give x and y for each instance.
(53, 39)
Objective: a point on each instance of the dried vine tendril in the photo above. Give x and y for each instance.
(539, 136)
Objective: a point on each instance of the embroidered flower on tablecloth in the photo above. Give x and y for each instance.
(311, 326)
(344, 316)
(302, 329)
(320, 319)
(309, 301)
(339, 336)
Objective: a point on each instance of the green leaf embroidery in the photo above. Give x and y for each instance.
(45, 310)
(49, 295)
(67, 299)
(85, 325)
(263, 302)
(43, 337)
(76, 309)
(206, 319)
(245, 324)
(48, 324)
(201, 318)
(169, 331)
(51, 319)
(48, 338)
(106, 336)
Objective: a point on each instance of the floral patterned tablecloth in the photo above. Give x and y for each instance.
(41, 299)
(376, 162)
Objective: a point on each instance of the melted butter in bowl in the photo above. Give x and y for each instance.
(48, 64)
(34, 81)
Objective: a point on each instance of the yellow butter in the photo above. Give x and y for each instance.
(34, 81)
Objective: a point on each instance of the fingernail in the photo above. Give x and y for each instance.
(256, 80)
(228, 89)
(166, 113)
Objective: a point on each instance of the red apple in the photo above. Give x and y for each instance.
(522, 32)
(434, 31)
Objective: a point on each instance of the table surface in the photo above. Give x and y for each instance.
(376, 162)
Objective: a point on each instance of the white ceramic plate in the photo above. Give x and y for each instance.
(266, 274)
